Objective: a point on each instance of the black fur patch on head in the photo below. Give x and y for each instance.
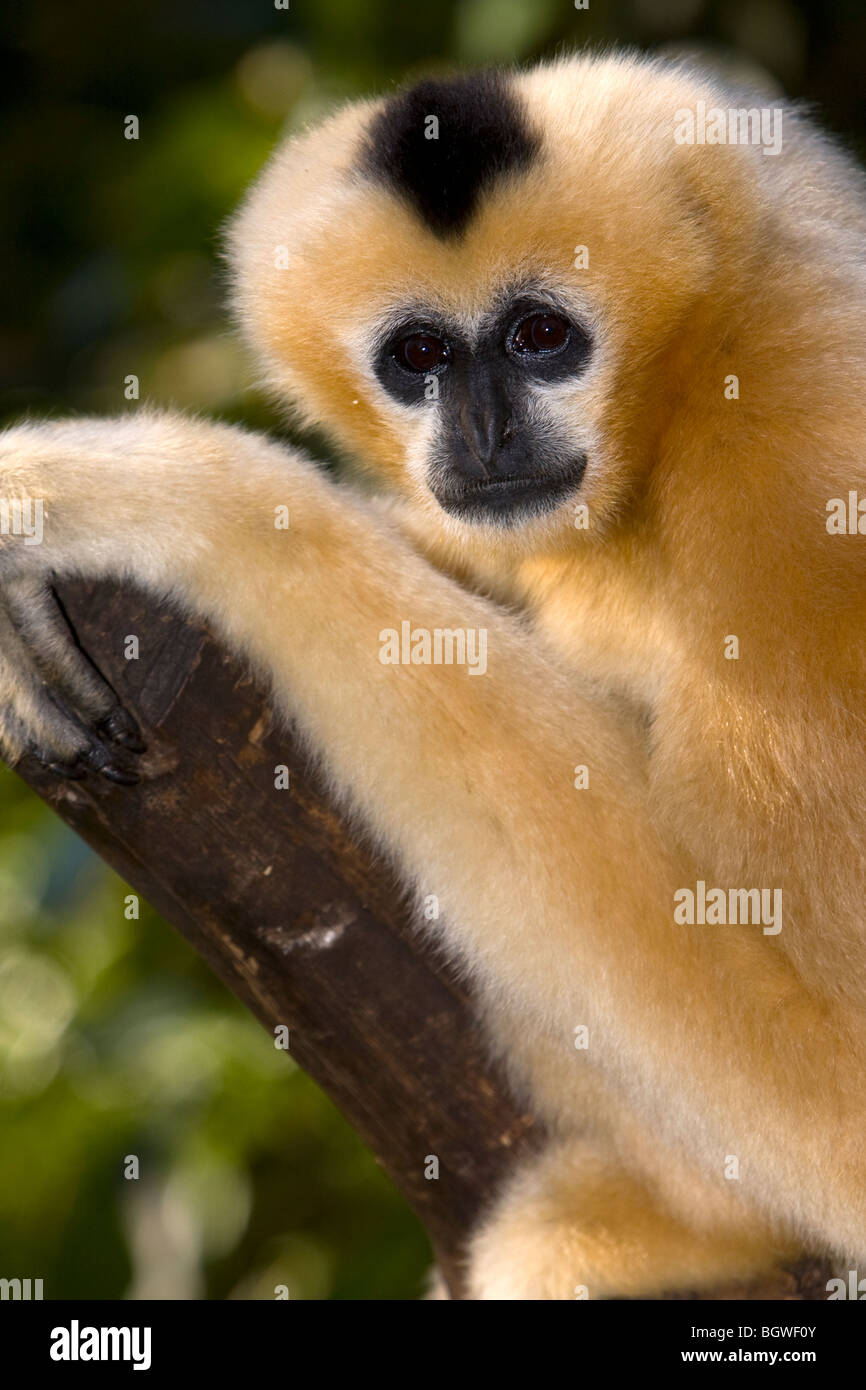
(482, 134)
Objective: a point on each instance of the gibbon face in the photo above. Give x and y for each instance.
(482, 287)
(496, 452)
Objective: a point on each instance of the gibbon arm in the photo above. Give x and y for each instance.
(559, 901)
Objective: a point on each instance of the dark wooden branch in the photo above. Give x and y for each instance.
(299, 919)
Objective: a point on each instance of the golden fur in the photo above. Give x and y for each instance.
(606, 647)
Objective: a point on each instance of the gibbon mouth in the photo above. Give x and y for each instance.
(508, 500)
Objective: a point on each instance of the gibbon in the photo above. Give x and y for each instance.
(599, 375)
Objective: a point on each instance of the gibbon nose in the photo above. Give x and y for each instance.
(484, 426)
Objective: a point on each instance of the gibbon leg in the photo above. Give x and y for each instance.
(574, 1224)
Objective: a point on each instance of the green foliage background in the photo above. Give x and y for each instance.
(114, 1039)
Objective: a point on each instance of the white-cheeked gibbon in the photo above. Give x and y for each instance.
(583, 645)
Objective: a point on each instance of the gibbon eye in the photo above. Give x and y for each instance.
(421, 352)
(541, 333)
